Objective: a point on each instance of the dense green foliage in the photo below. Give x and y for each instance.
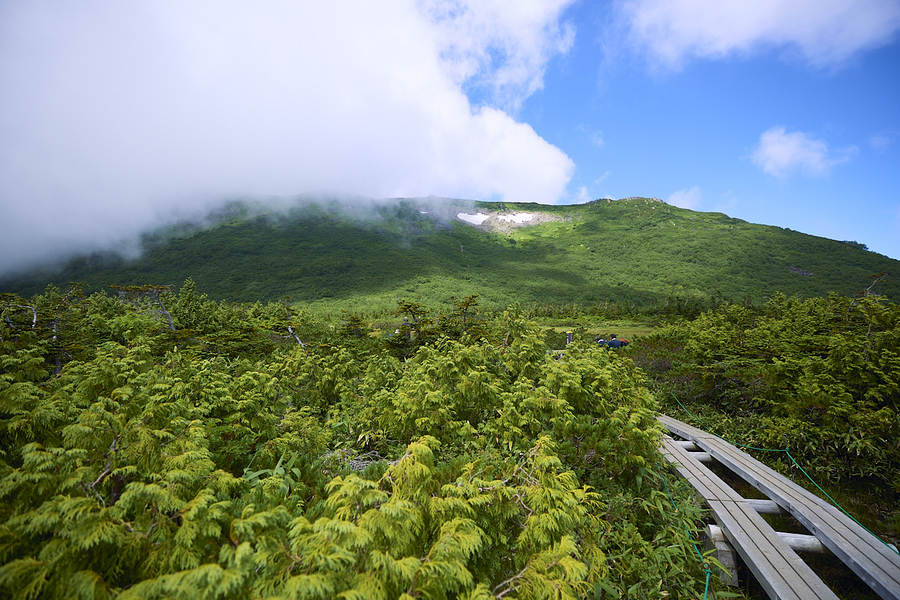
(161, 445)
(820, 376)
(635, 252)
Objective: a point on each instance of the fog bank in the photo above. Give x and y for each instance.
(118, 117)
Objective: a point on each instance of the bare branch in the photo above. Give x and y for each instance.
(154, 292)
(294, 335)
(33, 313)
(107, 469)
(512, 585)
(165, 312)
(878, 278)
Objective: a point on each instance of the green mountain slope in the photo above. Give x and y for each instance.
(637, 251)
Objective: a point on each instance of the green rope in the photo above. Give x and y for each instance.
(691, 537)
(793, 461)
(833, 501)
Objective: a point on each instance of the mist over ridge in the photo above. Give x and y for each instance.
(116, 118)
(349, 250)
(125, 241)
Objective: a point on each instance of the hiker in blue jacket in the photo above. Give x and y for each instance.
(614, 341)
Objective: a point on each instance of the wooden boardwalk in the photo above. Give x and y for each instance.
(778, 569)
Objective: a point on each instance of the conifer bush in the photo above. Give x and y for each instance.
(820, 377)
(255, 453)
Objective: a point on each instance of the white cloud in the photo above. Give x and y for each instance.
(882, 140)
(601, 178)
(499, 45)
(594, 136)
(823, 32)
(114, 114)
(582, 196)
(780, 153)
(689, 198)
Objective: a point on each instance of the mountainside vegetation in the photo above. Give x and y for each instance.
(383, 418)
(820, 377)
(637, 251)
(159, 445)
(163, 445)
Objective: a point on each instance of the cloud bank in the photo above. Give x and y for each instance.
(116, 115)
(780, 154)
(499, 46)
(824, 33)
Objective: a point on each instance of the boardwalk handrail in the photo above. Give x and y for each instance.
(872, 560)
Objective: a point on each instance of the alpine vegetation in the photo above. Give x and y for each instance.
(163, 445)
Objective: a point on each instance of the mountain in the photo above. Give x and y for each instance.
(638, 251)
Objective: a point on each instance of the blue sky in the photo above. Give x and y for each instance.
(693, 134)
(116, 117)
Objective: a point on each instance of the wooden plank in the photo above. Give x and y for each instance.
(710, 486)
(688, 432)
(703, 457)
(872, 560)
(689, 445)
(778, 569)
(766, 507)
(797, 541)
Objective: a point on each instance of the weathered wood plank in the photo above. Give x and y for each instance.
(710, 486)
(873, 561)
(797, 541)
(778, 569)
(766, 507)
(775, 565)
